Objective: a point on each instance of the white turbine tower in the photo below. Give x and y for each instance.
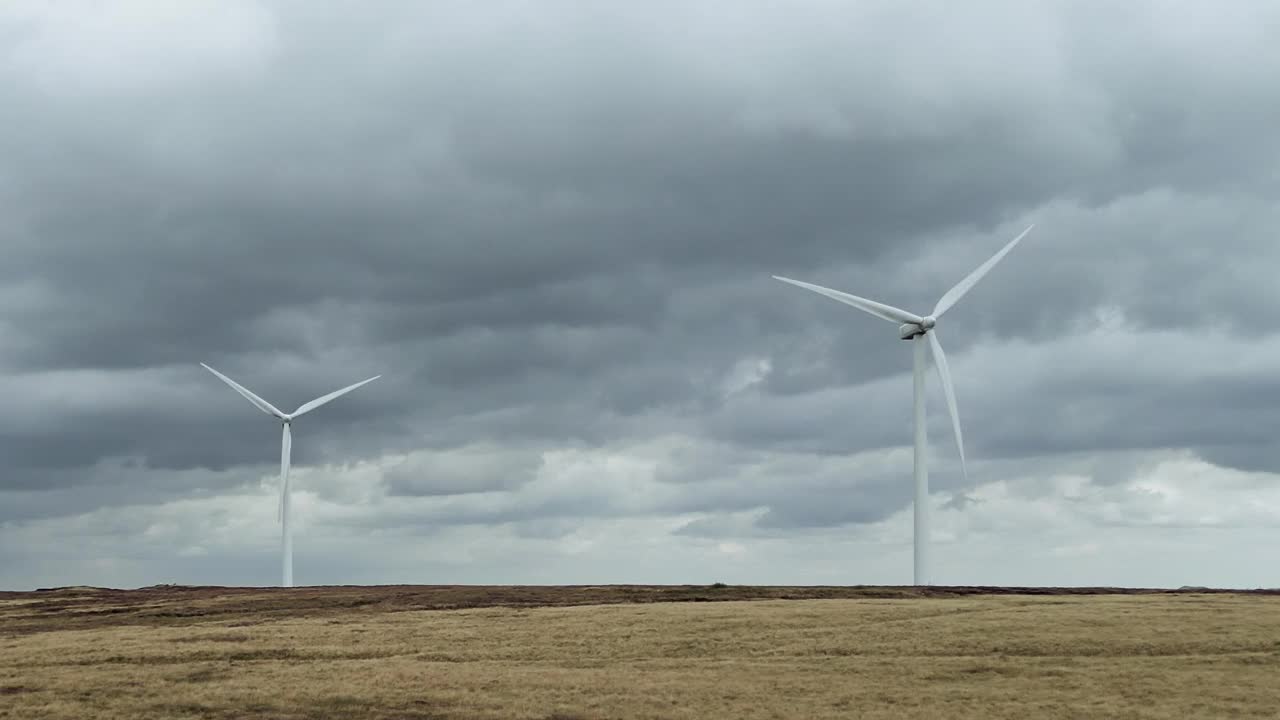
(914, 327)
(286, 446)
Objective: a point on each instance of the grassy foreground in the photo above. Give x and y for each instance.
(634, 652)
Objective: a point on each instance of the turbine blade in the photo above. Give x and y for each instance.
(944, 374)
(258, 402)
(957, 292)
(286, 450)
(309, 406)
(880, 310)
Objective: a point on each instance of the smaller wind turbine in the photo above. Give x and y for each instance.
(286, 446)
(914, 327)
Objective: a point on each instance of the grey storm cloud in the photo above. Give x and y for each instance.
(471, 469)
(553, 226)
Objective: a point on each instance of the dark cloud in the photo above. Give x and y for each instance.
(554, 228)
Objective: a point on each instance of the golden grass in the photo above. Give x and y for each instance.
(1130, 656)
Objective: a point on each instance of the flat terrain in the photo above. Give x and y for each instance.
(566, 653)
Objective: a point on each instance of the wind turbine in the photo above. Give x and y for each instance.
(916, 328)
(286, 446)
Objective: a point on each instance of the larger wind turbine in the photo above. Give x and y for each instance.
(286, 447)
(918, 329)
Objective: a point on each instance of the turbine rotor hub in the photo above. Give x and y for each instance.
(913, 330)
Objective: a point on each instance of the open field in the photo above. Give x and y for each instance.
(568, 653)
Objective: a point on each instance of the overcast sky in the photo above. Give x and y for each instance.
(551, 227)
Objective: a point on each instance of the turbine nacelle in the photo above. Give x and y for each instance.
(912, 330)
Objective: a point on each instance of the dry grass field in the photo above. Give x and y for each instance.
(566, 653)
